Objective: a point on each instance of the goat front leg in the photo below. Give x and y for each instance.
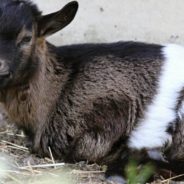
(40, 139)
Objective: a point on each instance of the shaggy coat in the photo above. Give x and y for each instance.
(88, 101)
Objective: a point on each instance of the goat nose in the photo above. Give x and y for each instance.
(4, 70)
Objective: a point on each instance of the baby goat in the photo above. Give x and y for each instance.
(85, 102)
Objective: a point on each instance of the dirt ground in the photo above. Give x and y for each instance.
(18, 166)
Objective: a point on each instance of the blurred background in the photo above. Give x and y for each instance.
(114, 20)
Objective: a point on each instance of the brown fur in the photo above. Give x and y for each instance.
(82, 116)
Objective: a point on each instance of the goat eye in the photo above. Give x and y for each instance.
(25, 40)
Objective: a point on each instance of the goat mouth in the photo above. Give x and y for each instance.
(5, 74)
(5, 79)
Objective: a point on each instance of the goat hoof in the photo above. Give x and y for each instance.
(116, 179)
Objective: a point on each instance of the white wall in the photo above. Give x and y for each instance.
(158, 21)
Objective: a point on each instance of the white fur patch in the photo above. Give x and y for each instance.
(151, 130)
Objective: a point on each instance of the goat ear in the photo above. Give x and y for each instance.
(54, 22)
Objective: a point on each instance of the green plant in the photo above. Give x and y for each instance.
(138, 174)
